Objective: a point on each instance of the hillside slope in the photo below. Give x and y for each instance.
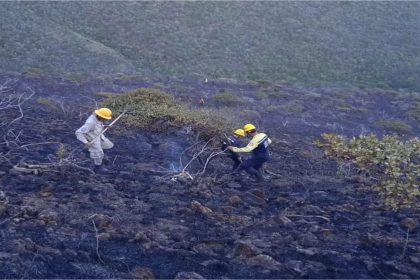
(373, 43)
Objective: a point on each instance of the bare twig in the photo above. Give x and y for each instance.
(97, 241)
(405, 245)
(311, 216)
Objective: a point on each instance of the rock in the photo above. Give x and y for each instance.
(25, 245)
(415, 260)
(314, 266)
(284, 221)
(308, 239)
(409, 223)
(370, 265)
(234, 185)
(104, 236)
(308, 252)
(228, 209)
(282, 183)
(188, 275)
(235, 200)
(203, 249)
(261, 194)
(49, 251)
(4, 202)
(103, 221)
(140, 237)
(6, 256)
(245, 249)
(48, 218)
(264, 261)
(296, 266)
(197, 206)
(253, 199)
(402, 268)
(313, 210)
(142, 273)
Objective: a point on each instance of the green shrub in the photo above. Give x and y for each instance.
(413, 113)
(47, 102)
(227, 99)
(395, 126)
(392, 165)
(123, 77)
(74, 78)
(262, 95)
(249, 116)
(33, 72)
(312, 96)
(156, 111)
(273, 108)
(278, 94)
(293, 107)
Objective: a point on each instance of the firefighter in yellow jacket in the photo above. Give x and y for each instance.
(259, 148)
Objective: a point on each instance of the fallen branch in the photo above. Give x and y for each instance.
(310, 216)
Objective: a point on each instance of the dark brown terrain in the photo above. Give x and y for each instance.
(306, 221)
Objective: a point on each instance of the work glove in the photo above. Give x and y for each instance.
(224, 145)
(88, 145)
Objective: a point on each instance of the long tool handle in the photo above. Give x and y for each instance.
(103, 131)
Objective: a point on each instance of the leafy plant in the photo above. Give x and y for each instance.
(227, 99)
(154, 110)
(392, 165)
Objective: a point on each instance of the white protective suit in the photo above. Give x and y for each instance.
(89, 131)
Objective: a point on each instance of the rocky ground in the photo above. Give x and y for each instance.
(61, 221)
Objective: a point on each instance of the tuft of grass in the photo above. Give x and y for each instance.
(33, 72)
(293, 107)
(227, 99)
(75, 78)
(413, 113)
(273, 108)
(249, 116)
(312, 96)
(45, 102)
(395, 126)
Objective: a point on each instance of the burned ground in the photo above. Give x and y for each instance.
(307, 221)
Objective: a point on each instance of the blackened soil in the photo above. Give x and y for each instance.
(140, 222)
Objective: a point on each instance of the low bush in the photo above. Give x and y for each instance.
(156, 111)
(391, 165)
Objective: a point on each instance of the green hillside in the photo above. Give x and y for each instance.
(353, 43)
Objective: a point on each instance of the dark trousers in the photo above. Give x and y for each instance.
(252, 166)
(236, 163)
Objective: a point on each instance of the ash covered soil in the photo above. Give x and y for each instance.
(306, 221)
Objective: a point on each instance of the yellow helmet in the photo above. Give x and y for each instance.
(248, 127)
(239, 132)
(104, 113)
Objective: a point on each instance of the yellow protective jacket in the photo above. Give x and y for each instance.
(258, 146)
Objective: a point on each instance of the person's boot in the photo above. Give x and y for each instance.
(254, 172)
(105, 161)
(100, 169)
